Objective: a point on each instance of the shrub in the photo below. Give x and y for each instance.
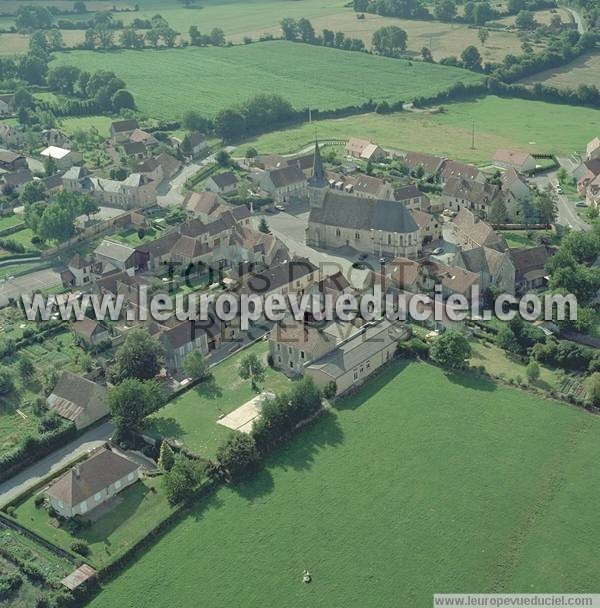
(9, 583)
(39, 500)
(330, 390)
(10, 511)
(238, 454)
(81, 547)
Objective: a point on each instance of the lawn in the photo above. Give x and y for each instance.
(132, 238)
(498, 123)
(583, 70)
(192, 418)
(165, 82)
(8, 221)
(527, 238)
(85, 123)
(136, 511)
(497, 362)
(419, 483)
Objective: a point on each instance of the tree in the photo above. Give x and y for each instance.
(56, 223)
(79, 7)
(217, 37)
(264, 226)
(482, 12)
(194, 121)
(593, 389)
(306, 31)
(252, 368)
(169, 36)
(471, 58)
(483, 34)
(33, 69)
(289, 27)
(532, 371)
(48, 380)
(184, 478)
(139, 356)
(498, 211)
(63, 78)
(166, 460)
(223, 158)
(50, 167)
(389, 40)
(444, 10)
(251, 152)
(26, 367)
(7, 384)
(426, 55)
(229, 124)
(55, 39)
(546, 206)
(238, 454)
(196, 366)
(122, 99)
(451, 350)
(89, 206)
(525, 20)
(130, 402)
(23, 98)
(152, 37)
(33, 192)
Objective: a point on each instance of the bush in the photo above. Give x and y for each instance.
(39, 500)
(330, 390)
(9, 584)
(238, 454)
(80, 547)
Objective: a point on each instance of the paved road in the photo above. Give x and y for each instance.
(567, 212)
(59, 459)
(578, 19)
(169, 194)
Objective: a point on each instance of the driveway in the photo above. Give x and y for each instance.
(170, 193)
(59, 459)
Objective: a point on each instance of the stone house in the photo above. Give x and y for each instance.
(522, 162)
(285, 184)
(12, 161)
(530, 267)
(178, 340)
(90, 332)
(120, 130)
(361, 185)
(452, 169)
(592, 149)
(6, 104)
(222, 183)
(78, 399)
(476, 196)
(471, 231)
(364, 150)
(494, 268)
(429, 226)
(62, 157)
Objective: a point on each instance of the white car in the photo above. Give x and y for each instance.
(438, 251)
(280, 207)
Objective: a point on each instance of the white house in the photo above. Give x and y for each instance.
(63, 158)
(91, 483)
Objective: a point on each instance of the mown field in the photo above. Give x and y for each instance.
(528, 125)
(584, 70)
(404, 491)
(165, 82)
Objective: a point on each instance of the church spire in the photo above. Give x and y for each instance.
(318, 173)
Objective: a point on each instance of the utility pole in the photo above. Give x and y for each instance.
(309, 116)
(473, 137)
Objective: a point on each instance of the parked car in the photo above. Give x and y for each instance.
(363, 256)
(438, 251)
(384, 260)
(359, 265)
(580, 204)
(280, 207)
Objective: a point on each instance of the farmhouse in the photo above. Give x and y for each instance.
(197, 142)
(56, 137)
(494, 268)
(11, 135)
(122, 129)
(284, 184)
(6, 104)
(471, 231)
(62, 157)
(90, 332)
(15, 181)
(206, 206)
(371, 226)
(361, 185)
(12, 161)
(222, 183)
(136, 191)
(429, 164)
(592, 150)
(364, 150)
(358, 356)
(588, 172)
(459, 193)
(78, 399)
(90, 483)
(530, 266)
(515, 187)
(514, 159)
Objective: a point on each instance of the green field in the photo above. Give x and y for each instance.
(420, 483)
(498, 123)
(192, 418)
(166, 82)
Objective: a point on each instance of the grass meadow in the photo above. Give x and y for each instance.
(584, 70)
(164, 82)
(499, 123)
(419, 483)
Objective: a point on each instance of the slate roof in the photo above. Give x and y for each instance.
(114, 251)
(530, 259)
(431, 164)
(453, 168)
(275, 277)
(480, 232)
(87, 327)
(407, 192)
(134, 147)
(482, 259)
(286, 176)
(348, 211)
(470, 190)
(222, 180)
(91, 476)
(204, 202)
(122, 126)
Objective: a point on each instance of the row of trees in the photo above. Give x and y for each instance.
(303, 31)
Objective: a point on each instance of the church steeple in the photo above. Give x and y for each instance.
(317, 179)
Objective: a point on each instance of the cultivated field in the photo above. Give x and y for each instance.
(165, 82)
(542, 17)
(381, 501)
(584, 70)
(498, 123)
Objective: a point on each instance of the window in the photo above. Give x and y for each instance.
(97, 496)
(389, 239)
(291, 364)
(118, 484)
(289, 350)
(357, 236)
(355, 374)
(279, 347)
(338, 232)
(368, 364)
(301, 354)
